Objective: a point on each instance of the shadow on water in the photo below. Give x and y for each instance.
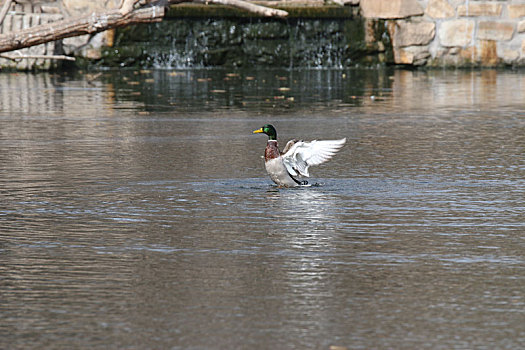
(135, 210)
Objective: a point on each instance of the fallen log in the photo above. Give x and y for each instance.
(45, 57)
(129, 13)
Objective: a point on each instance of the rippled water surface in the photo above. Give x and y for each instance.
(135, 211)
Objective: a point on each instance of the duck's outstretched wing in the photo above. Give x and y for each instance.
(302, 155)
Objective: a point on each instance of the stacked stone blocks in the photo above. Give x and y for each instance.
(453, 32)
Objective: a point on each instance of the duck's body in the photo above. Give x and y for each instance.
(274, 164)
(297, 157)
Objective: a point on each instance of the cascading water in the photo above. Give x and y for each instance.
(241, 42)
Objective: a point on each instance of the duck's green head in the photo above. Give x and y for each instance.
(268, 130)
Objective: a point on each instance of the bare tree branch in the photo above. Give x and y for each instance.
(96, 22)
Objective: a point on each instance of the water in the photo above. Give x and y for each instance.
(135, 211)
(190, 39)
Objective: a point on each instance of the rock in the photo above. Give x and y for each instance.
(454, 50)
(390, 9)
(408, 33)
(50, 9)
(509, 56)
(72, 44)
(493, 30)
(468, 55)
(84, 7)
(370, 28)
(516, 11)
(456, 56)
(414, 55)
(439, 9)
(489, 53)
(403, 56)
(458, 32)
(521, 27)
(475, 9)
(88, 46)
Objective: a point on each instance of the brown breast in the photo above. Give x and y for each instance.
(271, 151)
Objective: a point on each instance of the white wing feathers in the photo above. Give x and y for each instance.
(304, 154)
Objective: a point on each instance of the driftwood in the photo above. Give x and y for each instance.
(129, 13)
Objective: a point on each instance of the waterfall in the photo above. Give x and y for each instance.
(187, 43)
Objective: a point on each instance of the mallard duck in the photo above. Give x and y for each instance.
(296, 157)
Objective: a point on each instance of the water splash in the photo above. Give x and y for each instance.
(175, 59)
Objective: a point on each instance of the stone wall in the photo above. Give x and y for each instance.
(453, 32)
